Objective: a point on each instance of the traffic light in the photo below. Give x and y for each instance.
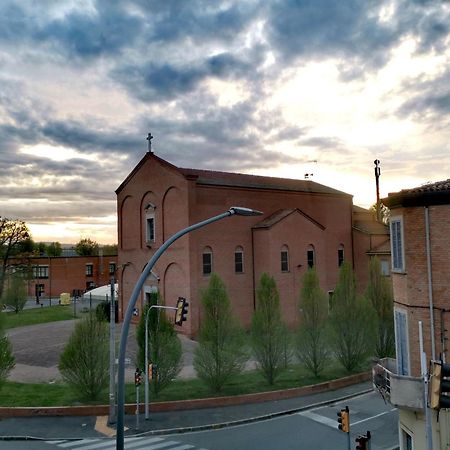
(137, 377)
(154, 371)
(362, 441)
(440, 385)
(344, 420)
(150, 372)
(182, 310)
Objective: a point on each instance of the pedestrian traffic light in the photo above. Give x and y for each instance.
(440, 385)
(362, 441)
(181, 312)
(137, 377)
(344, 420)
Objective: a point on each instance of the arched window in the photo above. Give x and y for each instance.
(284, 258)
(310, 257)
(150, 223)
(207, 261)
(340, 255)
(239, 259)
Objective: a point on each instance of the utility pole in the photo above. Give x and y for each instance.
(377, 183)
(112, 354)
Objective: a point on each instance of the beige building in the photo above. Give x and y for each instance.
(420, 240)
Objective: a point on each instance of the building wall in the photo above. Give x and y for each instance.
(182, 201)
(411, 288)
(68, 274)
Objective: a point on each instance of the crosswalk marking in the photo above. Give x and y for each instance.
(144, 443)
(76, 443)
(318, 418)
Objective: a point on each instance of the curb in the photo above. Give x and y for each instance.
(214, 426)
(99, 410)
(217, 426)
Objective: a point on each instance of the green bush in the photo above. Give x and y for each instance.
(84, 362)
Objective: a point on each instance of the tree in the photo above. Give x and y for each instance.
(164, 345)
(313, 337)
(385, 212)
(54, 249)
(12, 234)
(87, 247)
(379, 293)
(84, 362)
(221, 352)
(15, 294)
(6, 354)
(352, 321)
(268, 331)
(110, 250)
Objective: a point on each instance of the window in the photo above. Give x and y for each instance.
(90, 285)
(310, 257)
(89, 270)
(239, 260)
(207, 261)
(284, 259)
(112, 268)
(340, 255)
(151, 229)
(401, 342)
(384, 267)
(150, 235)
(40, 271)
(407, 441)
(397, 245)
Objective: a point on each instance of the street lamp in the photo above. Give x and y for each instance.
(146, 386)
(112, 347)
(234, 210)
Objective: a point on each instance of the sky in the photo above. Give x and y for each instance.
(267, 87)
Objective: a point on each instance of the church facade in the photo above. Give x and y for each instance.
(304, 224)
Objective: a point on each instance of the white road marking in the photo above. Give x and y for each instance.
(318, 418)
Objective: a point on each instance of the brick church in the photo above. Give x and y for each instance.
(304, 224)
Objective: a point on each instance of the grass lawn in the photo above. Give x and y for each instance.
(34, 316)
(58, 394)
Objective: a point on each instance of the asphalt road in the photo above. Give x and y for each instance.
(311, 429)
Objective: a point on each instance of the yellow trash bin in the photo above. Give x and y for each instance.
(64, 298)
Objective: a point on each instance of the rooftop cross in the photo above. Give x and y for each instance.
(149, 139)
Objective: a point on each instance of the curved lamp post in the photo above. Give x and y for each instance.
(234, 210)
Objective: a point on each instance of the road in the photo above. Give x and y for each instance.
(311, 429)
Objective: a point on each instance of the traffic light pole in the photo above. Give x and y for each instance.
(234, 210)
(424, 370)
(146, 385)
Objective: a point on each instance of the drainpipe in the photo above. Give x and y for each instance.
(253, 270)
(430, 280)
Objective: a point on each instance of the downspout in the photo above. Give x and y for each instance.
(253, 270)
(430, 280)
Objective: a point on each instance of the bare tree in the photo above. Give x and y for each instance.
(12, 234)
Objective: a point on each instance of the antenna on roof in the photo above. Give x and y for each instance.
(377, 184)
(149, 139)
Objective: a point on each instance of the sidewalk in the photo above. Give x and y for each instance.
(170, 422)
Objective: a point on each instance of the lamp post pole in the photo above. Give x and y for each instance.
(146, 385)
(112, 354)
(120, 436)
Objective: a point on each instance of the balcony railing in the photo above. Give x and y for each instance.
(400, 390)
